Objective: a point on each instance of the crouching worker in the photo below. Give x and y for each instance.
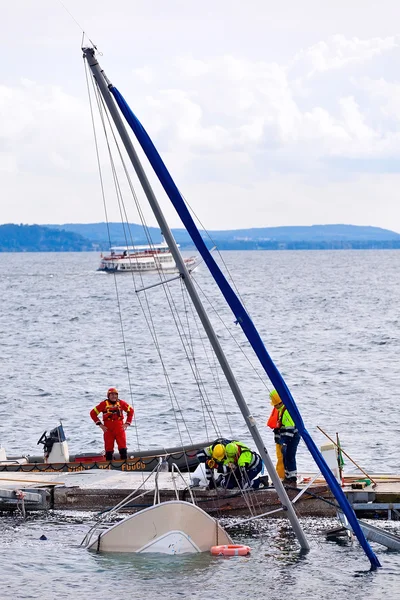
(213, 457)
(114, 427)
(243, 467)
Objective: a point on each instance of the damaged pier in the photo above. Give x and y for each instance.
(96, 490)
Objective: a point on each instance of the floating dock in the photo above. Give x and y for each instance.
(98, 489)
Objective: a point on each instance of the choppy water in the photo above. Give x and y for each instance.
(330, 321)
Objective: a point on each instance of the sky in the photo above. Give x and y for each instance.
(266, 113)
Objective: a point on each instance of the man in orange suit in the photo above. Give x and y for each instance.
(113, 425)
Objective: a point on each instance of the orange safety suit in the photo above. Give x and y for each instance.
(113, 419)
(273, 423)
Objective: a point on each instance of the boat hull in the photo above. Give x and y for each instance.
(174, 527)
(124, 266)
(185, 459)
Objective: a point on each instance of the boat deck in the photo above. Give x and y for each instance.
(98, 489)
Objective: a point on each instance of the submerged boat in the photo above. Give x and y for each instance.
(150, 524)
(174, 527)
(141, 259)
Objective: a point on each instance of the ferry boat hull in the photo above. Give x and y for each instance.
(141, 259)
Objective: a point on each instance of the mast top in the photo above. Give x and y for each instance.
(89, 54)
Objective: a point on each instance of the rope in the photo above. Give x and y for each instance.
(174, 311)
(239, 347)
(152, 328)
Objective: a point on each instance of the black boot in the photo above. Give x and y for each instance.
(123, 453)
(109, 455)
(264, 481)
(290, 481)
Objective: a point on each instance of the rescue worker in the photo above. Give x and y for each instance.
(213, 457)
(113, 425)
(272, 423)
(287, 435)
(244, 465)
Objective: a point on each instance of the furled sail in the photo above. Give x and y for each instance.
(243, 319)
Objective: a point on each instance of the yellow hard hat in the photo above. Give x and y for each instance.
(275, 398)
(218, 452)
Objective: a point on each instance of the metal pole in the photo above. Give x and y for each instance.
(104, 84)
(349, 457)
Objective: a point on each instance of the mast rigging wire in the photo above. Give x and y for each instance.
(175, 313)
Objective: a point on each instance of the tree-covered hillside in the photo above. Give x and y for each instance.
(77, 237)
(36, 238)
(261, 238)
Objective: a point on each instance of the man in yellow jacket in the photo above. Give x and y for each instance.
(213, 457)
(288, 437)
(242, 467)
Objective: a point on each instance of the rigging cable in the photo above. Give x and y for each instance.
(175, 313)
(102, 110)
(108, 229)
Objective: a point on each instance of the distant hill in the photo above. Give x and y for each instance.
(308, 233)
(261, 238)
(113, 234)
(77, 237)
(35, 238)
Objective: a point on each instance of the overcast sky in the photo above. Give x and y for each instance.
(266, 113)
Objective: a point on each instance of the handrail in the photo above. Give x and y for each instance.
(174, 467)
(115, 509)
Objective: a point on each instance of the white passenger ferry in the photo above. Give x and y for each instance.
(141, 259)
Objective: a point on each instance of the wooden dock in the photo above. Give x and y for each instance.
(96, 490)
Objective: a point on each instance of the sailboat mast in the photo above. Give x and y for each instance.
(103, 85)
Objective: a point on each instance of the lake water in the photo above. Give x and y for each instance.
(330, 321)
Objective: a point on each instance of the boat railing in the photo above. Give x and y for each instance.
(176, 472)
(106, 515)
(136, 253)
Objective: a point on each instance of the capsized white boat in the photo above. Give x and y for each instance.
(171, 527)
(174, 527)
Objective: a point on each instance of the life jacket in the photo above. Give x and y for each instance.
(280, 417)
(272, 422)
(247, 458)
(113, 411)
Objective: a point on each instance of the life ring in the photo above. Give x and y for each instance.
(230, 550)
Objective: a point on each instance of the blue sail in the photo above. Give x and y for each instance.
(242, 317)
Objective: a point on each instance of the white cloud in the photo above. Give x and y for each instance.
(8, 162)
(145, 74)
(340, 52)
(235, 105)
(253, 117)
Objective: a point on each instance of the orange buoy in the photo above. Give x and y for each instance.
(230, 550)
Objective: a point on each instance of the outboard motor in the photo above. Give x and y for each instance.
(55, 446)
